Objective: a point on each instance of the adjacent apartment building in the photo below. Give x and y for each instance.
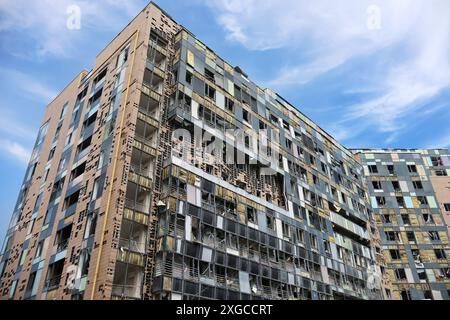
(410, 195)
(166, 173)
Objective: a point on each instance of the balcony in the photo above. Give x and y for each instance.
(127, 283)
(132, 245)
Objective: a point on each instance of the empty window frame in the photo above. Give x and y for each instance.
(188, 77)
(210, 92)
(391, 169)
(377, 185)
(251, 215)
(405, 219)
(418, 185)
(400, 274)
(428, 218)
(381, 201)
(395, 254)
(392, 235)
(434, 235)
(373, 168)
(410, 236)
(440, 254)
(396, 186)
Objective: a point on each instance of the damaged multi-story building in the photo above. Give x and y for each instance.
(410, 196)
(166, 173)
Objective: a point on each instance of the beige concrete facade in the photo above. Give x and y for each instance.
(24, 257)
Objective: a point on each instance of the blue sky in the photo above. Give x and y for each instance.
(372, 73)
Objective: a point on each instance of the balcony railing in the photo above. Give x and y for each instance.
(132, 245)
(134, 205)
(61, 246)
(126, 291)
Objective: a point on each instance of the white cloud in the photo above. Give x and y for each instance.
(15, 150)
(29, 85)
(44, 23)
(326, 34)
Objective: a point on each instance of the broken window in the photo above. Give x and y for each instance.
(405, 218)
(396, 186)
(436, 161)
(377, 185)
(188, 77)
(400, 274)
(422, 275)
(427, 295)
(417, 185)
(232, 241)
(209, 75)
(434, 235)
(270, 222)
(447, 207)
(440, 254)
(440, 173)
(381, 201)
(251, 215)
(373, 168)
(313, 240)
(300, 236)
(395, 254)
(229, 104)
(122, 57)
(400, 201)
(286, 229)
(412, 168)
(100, 77)
(51, 154)
(391, 235)
(210, 92)
(390, 168)
(405, 294)
(422, 200)
(410, 235)
(245, 115)
(428, 218)
(39, 249)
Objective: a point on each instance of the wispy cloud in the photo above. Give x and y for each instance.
(15, 150)
(43, 23)
(29, 85)
(322, 36)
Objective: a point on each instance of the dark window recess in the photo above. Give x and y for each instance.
(210, 92)
(100, 76)
(51, 154)
(417, 185)
(78, 171)
(373, 168)
(71, 200)
(229, 104)
(400, 274)
(93, 100)
(90, 120)
(395, 254)
(245, 115)
(83, 145)
(62, 238)
(188, 77)
(209, 75)
(391, 169)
